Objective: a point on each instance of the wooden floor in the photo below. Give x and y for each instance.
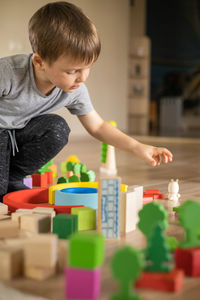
(185, 167)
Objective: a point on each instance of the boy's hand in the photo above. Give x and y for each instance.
(153, 155)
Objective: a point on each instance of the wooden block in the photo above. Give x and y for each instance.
(36, 223)
(24, 211)
(188, 260)
(11, 262)
(168, 282)
(8, 229)
(4, 217)
(45, 211)
(62, 257)
(86, 217)
(41, 251)
(128, 212)
(39, 273)
(3, 209)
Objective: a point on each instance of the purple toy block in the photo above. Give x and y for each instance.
(82, 283)
(28, 182)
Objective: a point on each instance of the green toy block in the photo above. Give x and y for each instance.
(74, 178)
(62, 180)
(77, 169)
(83, 168)
(64, 225)
(86, 250)
(86, 217)
(70, 166)
(84, 177)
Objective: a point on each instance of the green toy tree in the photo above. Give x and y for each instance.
(150, 215)
(126, 265)
(158, 252)
(189, 218)
(104, 149)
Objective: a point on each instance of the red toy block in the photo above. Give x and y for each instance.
(39, 180)
(168, 282)
(49, 177)
(188, 260)
(162, 196)
(152, 192)
(33, 198)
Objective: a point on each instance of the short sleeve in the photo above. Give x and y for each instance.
(81, 103)
(5, 78)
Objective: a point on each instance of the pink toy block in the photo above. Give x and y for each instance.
(82, 283)
(28, 182)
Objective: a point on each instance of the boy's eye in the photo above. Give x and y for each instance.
(71, 72)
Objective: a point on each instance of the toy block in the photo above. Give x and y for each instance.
(28, 181)
(37, 273)
(8, 229)
(188, 260)
(91, 247)
(4, 217)
(40, 180)
(77, 196)
(109, 207)
(49, 175)
(62, 180)
(36, 223)
(45, 211)
(147, 198)
(128, 212)
(53, 168)
(168, 282)
(62, 250)
(86, 217)
(16, 217)
(24, 210)
(3, 209)
(11, 262)
(41, 251)
(138, 189)
(152, 191)
(64, 225)
(87, 281)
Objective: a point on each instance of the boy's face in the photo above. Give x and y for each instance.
(66, 73)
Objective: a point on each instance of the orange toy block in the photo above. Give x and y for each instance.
(49, 177)
(168, 282)
(53, 168)
(188, 260)
(40, 180)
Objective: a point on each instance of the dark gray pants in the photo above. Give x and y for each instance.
(38, 142)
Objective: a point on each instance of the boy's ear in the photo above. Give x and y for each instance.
(38, 61)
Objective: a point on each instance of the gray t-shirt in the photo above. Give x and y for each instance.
(20, 100)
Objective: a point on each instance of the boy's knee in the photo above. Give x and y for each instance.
(59, 129)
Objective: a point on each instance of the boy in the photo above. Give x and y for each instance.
(65, 44)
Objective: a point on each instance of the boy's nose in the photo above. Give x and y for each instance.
(82, 76)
